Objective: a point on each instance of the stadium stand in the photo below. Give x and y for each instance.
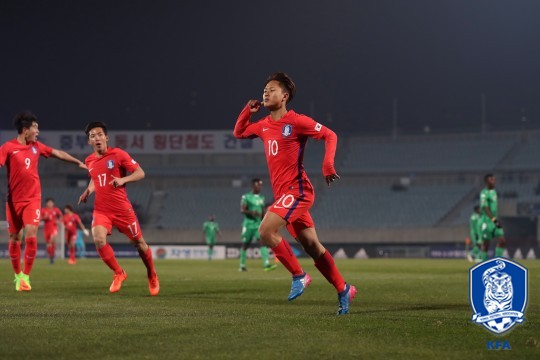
(383, 207)
(426, 156)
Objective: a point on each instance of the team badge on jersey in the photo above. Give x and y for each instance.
(286, 130)
(318, 127)
(34, 150)
(110, 164)
(498, 294)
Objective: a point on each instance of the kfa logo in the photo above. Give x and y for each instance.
(110, 164)
(498, 345)
(34, 150)
(498, 294)
(286, 130)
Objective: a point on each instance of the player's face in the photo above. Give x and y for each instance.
(31, 133)
(50, 204)
(273, 96)
(98, 140)
(257, 186)
(491, 182)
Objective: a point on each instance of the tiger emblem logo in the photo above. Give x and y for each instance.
(498, 298)
(499, 291)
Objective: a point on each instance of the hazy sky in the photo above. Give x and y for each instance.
(193, 64)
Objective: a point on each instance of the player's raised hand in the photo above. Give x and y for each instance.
(117, 182)
(254, 106)
(84, 196)
(86, 232)
(331, 178)
(82, 165)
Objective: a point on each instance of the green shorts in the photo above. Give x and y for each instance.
(210, 240)
(249, 233)
(490, 231)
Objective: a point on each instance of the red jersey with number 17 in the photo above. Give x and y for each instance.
(284, 143)
(115, 162)
(21, 162)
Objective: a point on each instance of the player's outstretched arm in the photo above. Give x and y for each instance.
(136, 175)
(62, 155)
(89, 190)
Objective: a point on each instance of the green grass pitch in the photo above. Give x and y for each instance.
(405, 309)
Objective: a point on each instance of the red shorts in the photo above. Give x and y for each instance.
(49, 234)
(71, 236)
(294, 208)
(127, 223)
(20, 214)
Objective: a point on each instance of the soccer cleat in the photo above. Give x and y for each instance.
(299, 284)
(72, 262)
(242, 269)
(153, 285)
(24, 282)
(270, 267)
(345, 298)
(118, 279)
(17, 282)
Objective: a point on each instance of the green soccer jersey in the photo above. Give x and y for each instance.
(210, 229)
(475, 224)
(488, 198)
(253, 202)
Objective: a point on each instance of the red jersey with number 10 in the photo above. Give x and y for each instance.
(21, 162)
(284, 144)
(115, 162)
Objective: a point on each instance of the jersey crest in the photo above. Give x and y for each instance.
(286, 130)
(34, 150)
(110, 164)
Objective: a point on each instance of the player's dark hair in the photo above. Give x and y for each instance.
(49, 199)
(255, 180)
(23, 120)
(285, 82)
(69, 207)
(487, 176)
(93, 125)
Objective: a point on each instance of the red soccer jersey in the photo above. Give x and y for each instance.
(71, 222)
(21, 162)
(115, 162)
(284, 143)
(49, 217)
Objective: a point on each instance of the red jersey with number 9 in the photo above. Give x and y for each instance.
(21, 162)
(115, 162)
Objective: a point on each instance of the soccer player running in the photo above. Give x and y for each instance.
(210, 230)
(284, 134)
(252, 206)
(475, 237)
(108, 169)
(491, 227)
(23, 203)
(50, 215)
(71, 222)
